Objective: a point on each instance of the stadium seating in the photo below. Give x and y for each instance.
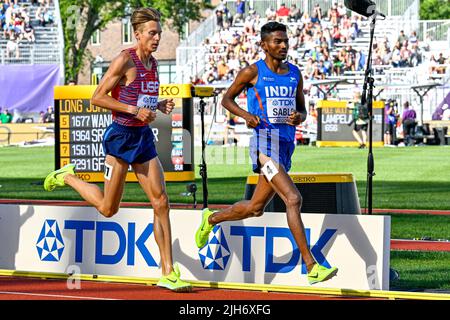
(45, 50)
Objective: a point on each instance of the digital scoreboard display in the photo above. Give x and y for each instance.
(80, 125)
(333, 119)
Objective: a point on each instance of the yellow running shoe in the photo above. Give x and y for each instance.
(202, 234)
(56, 178)
(173, 282)
(320, 273)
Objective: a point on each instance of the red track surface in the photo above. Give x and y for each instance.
(420, 245)
(17, 288)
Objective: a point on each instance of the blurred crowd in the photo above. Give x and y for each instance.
(17, 23)
(320, 43)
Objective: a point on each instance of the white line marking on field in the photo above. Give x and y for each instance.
(53, 295)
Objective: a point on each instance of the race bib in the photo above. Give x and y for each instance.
(269, 170)
(146, 101)
(279, 109)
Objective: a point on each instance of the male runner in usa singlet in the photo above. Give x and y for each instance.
(276, 105)
(133, 80)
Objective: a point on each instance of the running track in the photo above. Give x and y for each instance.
(18, 288)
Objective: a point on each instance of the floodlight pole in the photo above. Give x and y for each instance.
(367, 98)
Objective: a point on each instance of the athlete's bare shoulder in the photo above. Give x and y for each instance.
(123, 60)
(122, 66)
(248, 75)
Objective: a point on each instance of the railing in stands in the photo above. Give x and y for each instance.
(388, 7)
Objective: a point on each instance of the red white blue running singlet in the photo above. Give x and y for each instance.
(142, 92)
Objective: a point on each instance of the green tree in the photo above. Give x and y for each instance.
(81, 18)
(434, 9)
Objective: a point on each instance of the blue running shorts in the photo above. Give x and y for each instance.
(280, 151)
(131, 144)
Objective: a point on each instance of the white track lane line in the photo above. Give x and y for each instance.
(53, 295)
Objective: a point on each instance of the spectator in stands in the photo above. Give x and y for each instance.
(409, 124)
(354, 31)
(338, 64)
(222, 69)
(440, 69)
(405, 55)
(44, 15)
(416, 56)
(271, 14)
(294, 13)
(49, 116)
(250, 24)
(219, 19)
(333, 14)
(317, 12)
(283, 13)
(240, 11)
(5, 116)
(309, 69)
(40, 15)
(341, 9)
(2, 14)
(396, 56)
(12, 47)
(41, 117)
(28, 32)
(315, 18)
(433, 64)
(413, 38)
(402, 37)
(48, 16)
(336, 35)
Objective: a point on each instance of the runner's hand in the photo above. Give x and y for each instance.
(166, 106)
(146, 115)
(252, 121)
(295, 118)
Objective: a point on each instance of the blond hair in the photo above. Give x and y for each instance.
(143, 15)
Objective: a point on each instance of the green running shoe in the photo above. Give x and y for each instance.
(173, 282)
(202, 234)
(320, 273)
(56, 178)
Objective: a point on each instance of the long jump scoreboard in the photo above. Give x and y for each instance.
(79, 128)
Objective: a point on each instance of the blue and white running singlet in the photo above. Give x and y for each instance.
(273, 99)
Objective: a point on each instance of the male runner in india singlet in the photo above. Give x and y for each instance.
(276, 105)
(133, 80)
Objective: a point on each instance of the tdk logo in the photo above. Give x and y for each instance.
(215, 254)
(129, 241)
(50, 244)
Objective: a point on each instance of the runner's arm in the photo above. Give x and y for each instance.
(243, 79)
(113, 75)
